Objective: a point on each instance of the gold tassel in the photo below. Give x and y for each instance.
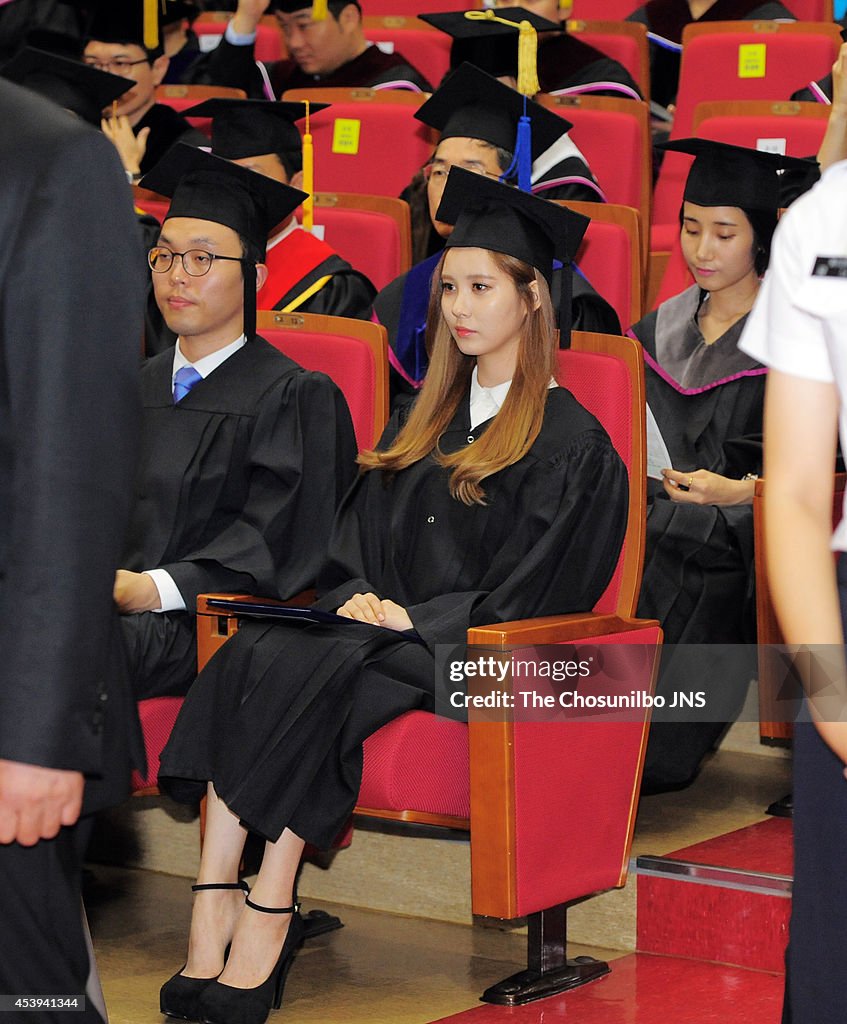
(319, 10)
(528, 84)
(151, 24)
(308, 175)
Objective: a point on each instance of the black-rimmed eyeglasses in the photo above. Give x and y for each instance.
(195, 262)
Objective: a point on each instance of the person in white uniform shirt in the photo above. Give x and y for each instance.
(799, 328)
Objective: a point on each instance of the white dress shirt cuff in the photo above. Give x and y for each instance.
(170, 598)
(239, 38)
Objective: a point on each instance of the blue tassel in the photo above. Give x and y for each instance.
(523, 154)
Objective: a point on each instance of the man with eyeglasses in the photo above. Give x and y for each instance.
(141, 129)
(328, 52)
(245, 454)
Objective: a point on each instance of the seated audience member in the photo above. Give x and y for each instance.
(142, 129)
(245, 455)
(566, 65)
(558, 168)
(666, 19)
(274, 727)
(304, 273)
(327, 52)
(706, 397)
(478, 120)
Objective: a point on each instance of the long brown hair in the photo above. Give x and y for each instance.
(447, 383)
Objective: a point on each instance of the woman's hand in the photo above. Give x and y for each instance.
(370, 608)
(701, 487)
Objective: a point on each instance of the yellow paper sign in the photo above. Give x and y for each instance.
(752, 60)
(345, 135)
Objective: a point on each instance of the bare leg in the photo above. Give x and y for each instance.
(259, 937)
(215, 911)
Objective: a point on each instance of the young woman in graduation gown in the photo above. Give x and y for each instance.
(707, 398)
(496, 497)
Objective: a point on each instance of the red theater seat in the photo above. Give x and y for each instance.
(354, 354)
(373, 233)
(736, 60)
(368, 141)
(424, 47)
(604, 127)
(551, 803)
(623, 41)
(610, 256)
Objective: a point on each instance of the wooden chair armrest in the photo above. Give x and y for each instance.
(555, 629)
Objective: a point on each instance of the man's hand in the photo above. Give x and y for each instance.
(246, 19)
(131, 147)
(135, 592)
(35, 802)
(370, 608)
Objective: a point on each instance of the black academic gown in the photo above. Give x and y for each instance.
(568, 65)
(667, 18)
(401, 307)
(167, 128)
(278, 718)
(237, 489)
(235, 66)
(698, 568)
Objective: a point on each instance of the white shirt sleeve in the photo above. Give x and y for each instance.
(170, 598)
(779, 331)
(239, 38)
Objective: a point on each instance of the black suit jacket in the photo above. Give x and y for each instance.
(71, 309)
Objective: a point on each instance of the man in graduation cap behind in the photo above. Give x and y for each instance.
(565, 65)
(304, 272)
(121, 38)
(478, 118)
(245, 454)
(326, 48)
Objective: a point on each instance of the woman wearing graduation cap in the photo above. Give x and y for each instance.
(707, 396)
(497, 497)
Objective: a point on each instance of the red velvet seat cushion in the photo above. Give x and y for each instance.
(418, 762)
(157, 718)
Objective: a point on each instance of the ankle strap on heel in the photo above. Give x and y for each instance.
(272, 910)
(243, 886)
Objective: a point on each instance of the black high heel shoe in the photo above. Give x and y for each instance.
(178, 996)
(224, 1004)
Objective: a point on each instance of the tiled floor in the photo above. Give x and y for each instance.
(390, 969)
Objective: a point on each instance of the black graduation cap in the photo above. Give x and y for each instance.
(726, 175)
(482, 38)
(472, 104)
(210, 188)
(243, 128)
(69, 83)
(55, 42)
(177, 10)
(126, 21)
(487, 214)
